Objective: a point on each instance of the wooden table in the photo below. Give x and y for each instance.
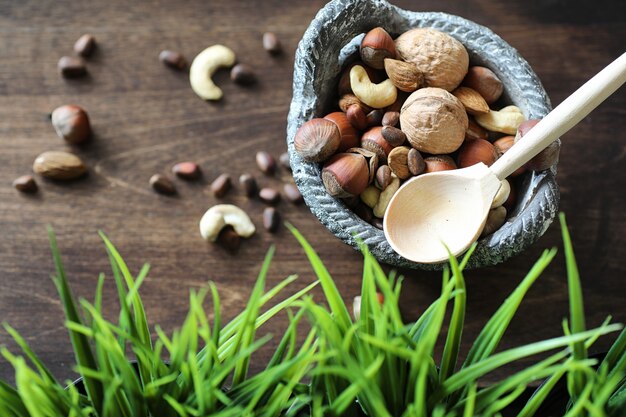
(146, 118)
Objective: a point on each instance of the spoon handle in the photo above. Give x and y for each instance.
(565, 116)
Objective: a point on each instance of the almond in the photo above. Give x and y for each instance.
(58, 165)
(404, 75)
(473, 102)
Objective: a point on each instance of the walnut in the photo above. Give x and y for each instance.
(434, 121)
(442, 59)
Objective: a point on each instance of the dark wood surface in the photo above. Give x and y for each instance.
(146, 118)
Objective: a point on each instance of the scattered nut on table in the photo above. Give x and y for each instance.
(204, 65)
(218, 216)
(72, 124)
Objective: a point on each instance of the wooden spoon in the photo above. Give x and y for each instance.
(449, 208)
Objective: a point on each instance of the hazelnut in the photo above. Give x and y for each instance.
(544, 159)
(504, 144)
(373, 141)
(437, 163)
(475, 151)
(317, 140)
(434, 121)
(345, 175)
(374, 118)
(376, 46)
(404, 75)
(371, 158)
(348, 100)
(475, 131)
(485, 82)
(71, 123)
(356, 116)
(442, 59)
(349, 137)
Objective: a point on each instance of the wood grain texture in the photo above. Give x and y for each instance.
(146, 118)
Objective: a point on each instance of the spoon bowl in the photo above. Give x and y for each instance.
(436, 199)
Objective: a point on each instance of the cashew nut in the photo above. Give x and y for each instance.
(507, 120)
(502, 195)
(221, 215)
(374, 95)
(204, 66)
(370, 196)
(385, 197)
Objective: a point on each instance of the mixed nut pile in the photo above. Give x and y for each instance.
(411, 106)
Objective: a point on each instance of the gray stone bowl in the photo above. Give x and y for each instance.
(332, 40)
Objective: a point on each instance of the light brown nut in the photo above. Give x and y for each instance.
(404, 75)
(356, 116)
(544, 159)
(346, 175)
(187, 170)
(437, 163)
(221, 185)
(85, 45)
(415, 162)
(373, 141)
(72, 67)
(385, 198)
(434, 121)
(344, 81)
(317, 140)
(162, 185)
(248, 183)
(374, 118)
(348, 100)
(393, 135)
(292, 194)
(475, 131)
(502, 145)
(398, 162)
(374, 95)
(271, 219)
(370, 196)
(243, 74)
(383, 177)
(442, 59)
(485, 82)
(377, 45)
(349, 137)
(269, 196)
(495, 220)
(507, 120)
(391, 118)
(473, 102)
(71, 123)
(266, 163)
(25, 184)
(475, 151)
(173, 59)
(58, 165)
(271, 43)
